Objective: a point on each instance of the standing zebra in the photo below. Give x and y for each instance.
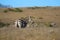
(17, 23)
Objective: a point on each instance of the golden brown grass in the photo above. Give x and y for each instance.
(43, 15)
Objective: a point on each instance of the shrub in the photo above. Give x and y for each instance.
(10, 9)
(18, 10)
(40, 17)
(31, 7)
(3, 24)
(15, 10)
(5, 11)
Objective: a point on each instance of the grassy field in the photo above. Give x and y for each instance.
(44, 15)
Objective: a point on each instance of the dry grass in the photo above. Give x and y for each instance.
(42, 33)
(43, 15)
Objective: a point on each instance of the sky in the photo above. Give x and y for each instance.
(30, 3)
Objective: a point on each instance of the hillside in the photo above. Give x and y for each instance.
(44, 15)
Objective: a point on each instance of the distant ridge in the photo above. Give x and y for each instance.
(4, 6)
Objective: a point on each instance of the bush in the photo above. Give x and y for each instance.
(18, 10)
(10, 9)
(40, 17)
(15, 10)
(31, 8)
(5, 11)
(3, 24)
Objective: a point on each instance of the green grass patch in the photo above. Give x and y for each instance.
(3, 24)
(18, 10)
(5, 11)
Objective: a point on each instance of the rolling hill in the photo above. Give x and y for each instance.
(42, 15)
